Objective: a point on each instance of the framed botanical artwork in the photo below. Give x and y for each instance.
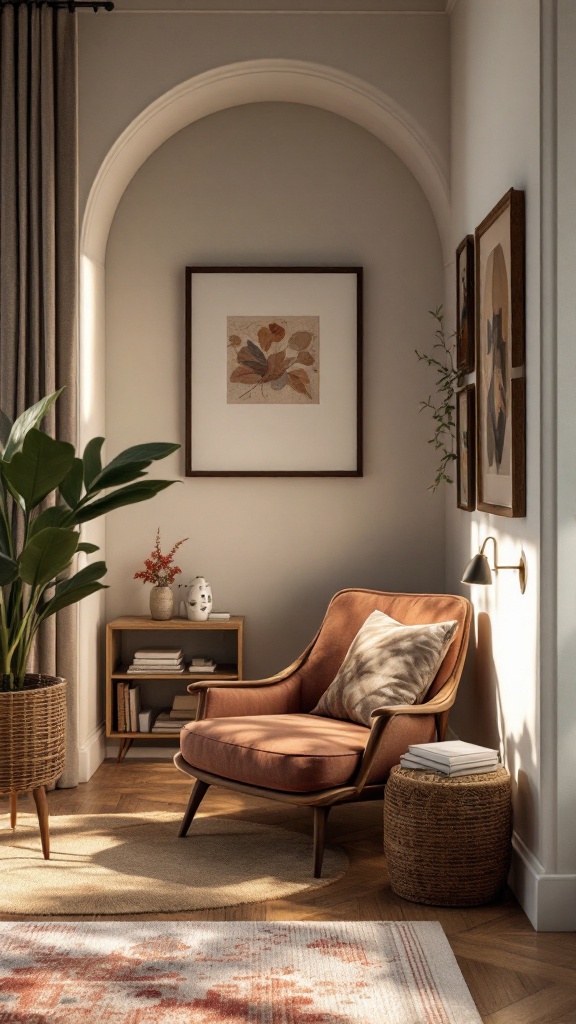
(466, 448)
(273, 371)
(500, 397)
(465, 325)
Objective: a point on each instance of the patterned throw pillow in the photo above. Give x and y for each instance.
(387, 663)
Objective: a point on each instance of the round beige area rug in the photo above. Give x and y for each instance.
(136, 864)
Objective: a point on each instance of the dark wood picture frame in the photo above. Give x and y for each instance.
(500, 354)
(466, 448)
(465, 306)
(233, 431)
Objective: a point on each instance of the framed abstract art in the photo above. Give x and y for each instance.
(500, 395)
(465, 320)
(466, 448)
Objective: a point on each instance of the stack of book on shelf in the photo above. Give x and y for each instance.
(183, 710)
(128, 707)
(202, 665)
(452, 757)
(164, 660)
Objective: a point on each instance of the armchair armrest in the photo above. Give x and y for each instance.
(236, 698)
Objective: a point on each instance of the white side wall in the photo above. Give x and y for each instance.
(503, 109)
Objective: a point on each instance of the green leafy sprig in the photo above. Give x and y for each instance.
(443, 407)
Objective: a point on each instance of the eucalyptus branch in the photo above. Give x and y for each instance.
(442, 407)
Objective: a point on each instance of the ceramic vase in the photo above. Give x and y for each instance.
(199, 600)
(161, 603)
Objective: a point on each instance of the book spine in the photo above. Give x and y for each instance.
(127, 707)
(120, 707)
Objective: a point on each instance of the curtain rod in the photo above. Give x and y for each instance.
(61, 5)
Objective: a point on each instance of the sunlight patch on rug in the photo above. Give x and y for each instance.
(360, 972)
(136, 864)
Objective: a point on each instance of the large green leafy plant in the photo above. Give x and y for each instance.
(38, 544)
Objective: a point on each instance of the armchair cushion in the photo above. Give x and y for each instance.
(293, 753)
(387, 663)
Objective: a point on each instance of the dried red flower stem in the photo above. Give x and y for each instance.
(158, 568)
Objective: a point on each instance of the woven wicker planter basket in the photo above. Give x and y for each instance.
(32, 734)
(447, 841)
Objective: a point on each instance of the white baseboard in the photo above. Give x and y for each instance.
(549, 901)
(91, 753)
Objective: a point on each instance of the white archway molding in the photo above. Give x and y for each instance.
(288, 81)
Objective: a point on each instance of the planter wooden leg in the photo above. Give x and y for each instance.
(13, 809)
(42, 812)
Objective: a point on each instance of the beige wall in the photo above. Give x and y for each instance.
(276, 184)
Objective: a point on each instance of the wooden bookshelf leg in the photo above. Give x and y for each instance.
(13, 809)
(198, 794)
(124, 748)
(42, 812)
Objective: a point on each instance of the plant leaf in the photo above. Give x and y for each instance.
(130, 464)
(39, 467)
(28, 419)
(46, 554)
(79, 586)
(300, 340)
(71, 486)
(88, 548)
(245, 375)
(8, 569)
(277, 365)
(53, 516)
(129, 495)
(91, 461)
(306, 358)
(251, 355)
(280, 383)
(268, 335)
(299, 379)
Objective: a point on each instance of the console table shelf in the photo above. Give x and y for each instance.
(220, 640)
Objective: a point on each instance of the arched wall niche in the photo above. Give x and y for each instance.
(229, 86)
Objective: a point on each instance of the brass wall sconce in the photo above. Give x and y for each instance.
(478, 569)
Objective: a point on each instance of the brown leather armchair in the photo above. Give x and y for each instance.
(258, 737)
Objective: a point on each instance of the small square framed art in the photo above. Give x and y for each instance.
(273, 371)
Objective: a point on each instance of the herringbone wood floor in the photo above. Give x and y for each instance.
(516, 976)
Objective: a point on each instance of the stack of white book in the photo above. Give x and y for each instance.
(164, 660)
(164, 723)
(451, 757)
(184, 707)
(201, 665)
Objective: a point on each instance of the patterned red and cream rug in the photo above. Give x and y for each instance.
(180, 972)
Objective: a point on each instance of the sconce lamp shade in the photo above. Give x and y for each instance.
(478, 570)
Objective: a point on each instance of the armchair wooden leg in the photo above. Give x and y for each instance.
(441, 725)
(13, 809)
(320, 819)
(42, 812)
(196, 798)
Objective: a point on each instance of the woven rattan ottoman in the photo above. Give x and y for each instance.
(447, 840)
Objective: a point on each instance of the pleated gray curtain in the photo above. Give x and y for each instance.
(38, 258)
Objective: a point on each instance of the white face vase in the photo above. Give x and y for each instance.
(199, 601)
